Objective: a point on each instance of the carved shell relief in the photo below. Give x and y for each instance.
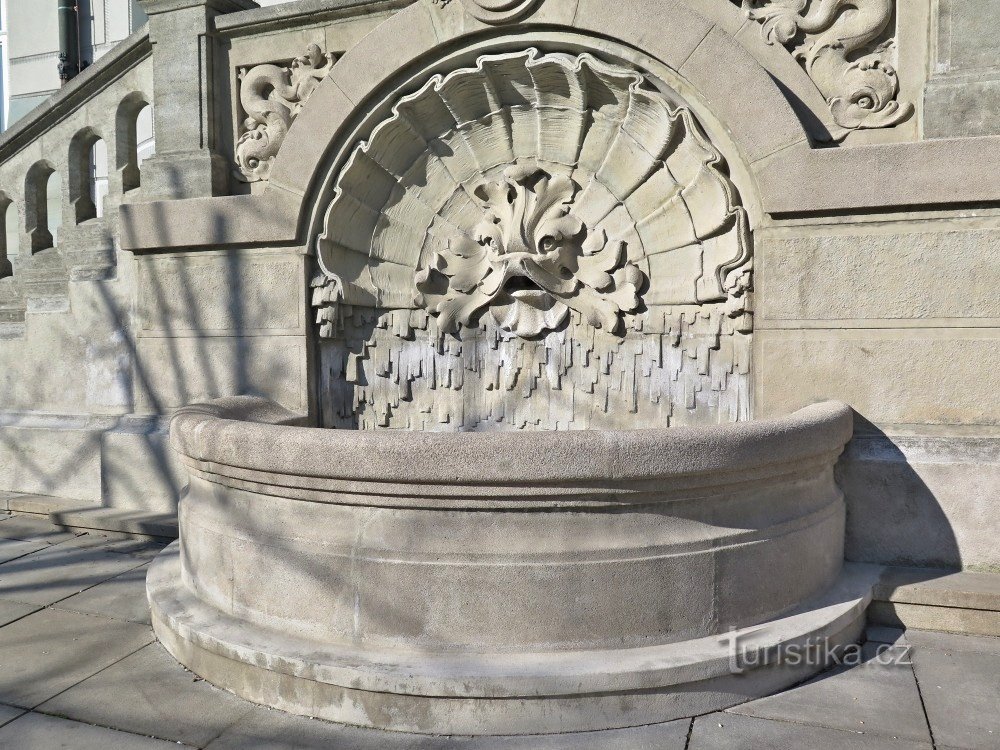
(847, 49)
(518, 210)
(272, 96)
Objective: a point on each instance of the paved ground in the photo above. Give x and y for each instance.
(80, 669)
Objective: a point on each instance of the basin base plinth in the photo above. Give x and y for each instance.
(504, 693)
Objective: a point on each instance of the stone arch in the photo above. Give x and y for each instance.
(6, 203)
(38, 222)
(675, 281)
(715, 70)
(127, 142)
(81, 174)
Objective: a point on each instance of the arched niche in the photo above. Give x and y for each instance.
(642, 317)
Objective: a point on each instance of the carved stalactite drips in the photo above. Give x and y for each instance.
(838, 43)
(272, 97)
(396, 369)
(539, 241)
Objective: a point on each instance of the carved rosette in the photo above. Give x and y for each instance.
(272, 97)
(838, 43)
(531, 185)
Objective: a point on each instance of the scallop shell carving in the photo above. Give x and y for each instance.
(529, 186)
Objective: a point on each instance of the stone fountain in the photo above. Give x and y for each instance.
(531, 496)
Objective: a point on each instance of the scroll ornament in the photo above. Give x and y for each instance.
(833, 40)
(272, 97)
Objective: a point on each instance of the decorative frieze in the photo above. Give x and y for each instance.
(846, 48)
(272, 97)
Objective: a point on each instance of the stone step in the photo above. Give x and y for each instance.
(966, 602)
(74, 514)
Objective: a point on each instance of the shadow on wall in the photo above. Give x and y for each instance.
(109, 364)
(893, 516)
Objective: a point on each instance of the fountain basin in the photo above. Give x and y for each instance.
(503, 583)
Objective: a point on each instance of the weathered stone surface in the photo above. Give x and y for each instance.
(37, 730)
(76, 647)
(506, 588)
(892, 276)
(731, 732)
(61, 570)
(891, 376)
(120, 598)
(149, 693)
(961, 692)
(878, 697)
(10, 611)
(921, 500)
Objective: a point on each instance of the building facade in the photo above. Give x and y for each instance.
(494, 332)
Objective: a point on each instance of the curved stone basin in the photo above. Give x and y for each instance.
(502, 583)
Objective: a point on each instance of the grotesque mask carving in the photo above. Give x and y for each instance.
(530, 261)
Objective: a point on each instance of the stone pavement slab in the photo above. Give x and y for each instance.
(268, 729)
(10, 611)
(11, 549)
(31, 528)
(149, 693)
(37, 732)
(61, 570)
(878, 697)
(726, 731)
(51, 650)
(122, 597)
(960, 681)
(9, 713)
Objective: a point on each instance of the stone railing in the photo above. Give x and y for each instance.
(53, 145)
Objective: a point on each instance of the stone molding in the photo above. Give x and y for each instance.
(840, 44)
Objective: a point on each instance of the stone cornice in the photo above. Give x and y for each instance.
(275, 17)
(156, 7)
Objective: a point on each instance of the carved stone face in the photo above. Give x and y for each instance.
(530, 262)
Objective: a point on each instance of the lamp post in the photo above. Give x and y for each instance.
(69, 42)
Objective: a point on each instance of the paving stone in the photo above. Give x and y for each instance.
(51, 650)
(32, 528)
(122, 597)
(275, 730)
(149, 693)
(926, 639)
(728, 731)
(961, 692)
(11, 549)
(9, 713)
(879, 697)
(37, 732)
(61, 570)
(10, 611)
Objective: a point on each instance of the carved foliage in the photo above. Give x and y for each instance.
(272, 97)
(530, 261)
(837, 42)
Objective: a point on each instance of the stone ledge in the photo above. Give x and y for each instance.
(964, 602)
(70, 514)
